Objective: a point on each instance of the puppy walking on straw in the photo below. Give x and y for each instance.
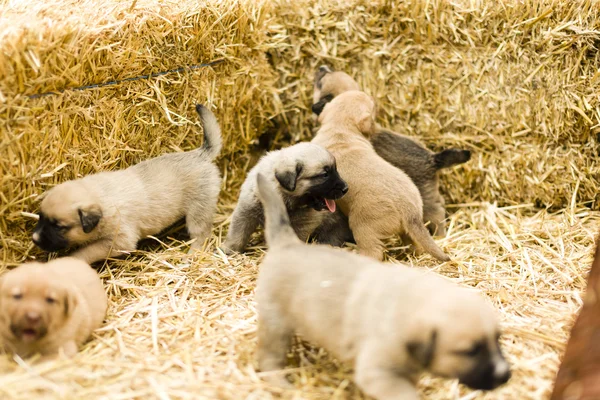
(390, 321)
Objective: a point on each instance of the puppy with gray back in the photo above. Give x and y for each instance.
(307, 178)
(390, 321)
(109, 212)
(406, 153)
(48, 307)
(382, 200)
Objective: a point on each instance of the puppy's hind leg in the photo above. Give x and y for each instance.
(367, 239)
(199, 226)
(435, 213)
(422, 238)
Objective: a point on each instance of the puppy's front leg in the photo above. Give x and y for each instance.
(274, 338)
(382, 383)
(103, 249)
(244, 221)
(70, 348)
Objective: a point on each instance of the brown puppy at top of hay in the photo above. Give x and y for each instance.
(109, 212)
(382, 200)
(48, 307)
(406, 153)
(307, 177)
(390, 321)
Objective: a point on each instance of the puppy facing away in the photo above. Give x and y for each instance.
(406, 153)
(307, 177)
(48, 307)
(106, 214)
(391, 322)
(382, 200)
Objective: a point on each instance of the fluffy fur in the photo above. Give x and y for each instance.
(48, 307)
(390, 321)
(307, 178)
(382, 200)
(109, 212)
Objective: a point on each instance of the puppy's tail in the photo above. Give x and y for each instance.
(417, 231)
(277, 221)
(212, 132)
(450, 157)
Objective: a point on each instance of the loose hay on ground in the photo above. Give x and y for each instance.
(515, 82)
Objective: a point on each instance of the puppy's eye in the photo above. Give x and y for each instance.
(63, 227)
(17, 296)
(50, 300)
(473, 351)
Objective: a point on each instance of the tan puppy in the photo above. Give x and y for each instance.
(390, 321)
(381, 200)
(404, 152)
(108, 213)
(48, 307)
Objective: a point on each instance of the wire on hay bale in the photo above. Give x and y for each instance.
(514, 82)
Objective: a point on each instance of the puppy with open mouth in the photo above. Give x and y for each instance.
(390, 321)
(382, 200)
(48, 307)
(109, 212)
(406, 153)
(307, 177)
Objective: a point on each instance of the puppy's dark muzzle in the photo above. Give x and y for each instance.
(49, 240)
(340, 188)
(485, 378)
(338, 192)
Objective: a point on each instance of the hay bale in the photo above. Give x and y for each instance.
(514, 82)
(47, 46)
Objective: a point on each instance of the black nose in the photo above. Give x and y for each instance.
(345, 189)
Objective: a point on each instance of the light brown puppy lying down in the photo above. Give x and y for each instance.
(390, 321)
(382, 200)
(48, 307)
(404, 152)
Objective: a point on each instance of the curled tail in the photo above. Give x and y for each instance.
(212, 132)
(277, 221)
(450, 157)
(420, 235)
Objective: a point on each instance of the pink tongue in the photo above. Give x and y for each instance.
(330, 205)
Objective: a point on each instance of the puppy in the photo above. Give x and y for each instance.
(406, 153)
(390, 321)
(48, 307)
(108, 213)
(307, 177)
(381, 200)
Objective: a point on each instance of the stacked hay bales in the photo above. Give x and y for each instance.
(53, 46)
(515, 82)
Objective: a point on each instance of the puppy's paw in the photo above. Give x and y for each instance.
(278, 380)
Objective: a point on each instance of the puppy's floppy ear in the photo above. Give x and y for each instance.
(366, 124)
(318, 107)
(423, 351)
(70, 302)
(89, 217)
(287, 177)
